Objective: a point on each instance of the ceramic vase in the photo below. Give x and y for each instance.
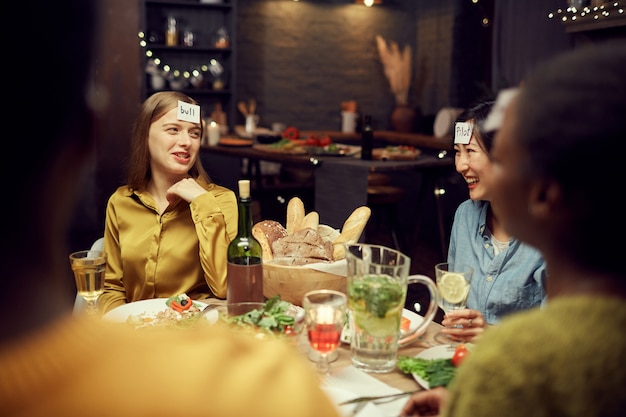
(403, 119)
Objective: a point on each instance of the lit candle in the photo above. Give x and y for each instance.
(214, 133)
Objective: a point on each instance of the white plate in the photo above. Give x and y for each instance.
(415, 319)
(150, 307)
(338, 395)
(437, 352)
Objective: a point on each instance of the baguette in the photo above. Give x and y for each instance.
(327, 232)
(310, 221)
(295, 214)
(351, 232)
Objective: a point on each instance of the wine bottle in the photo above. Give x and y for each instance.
(367, 138)
(245, 255)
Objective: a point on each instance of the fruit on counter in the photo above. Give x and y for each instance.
(291, 132)
(312, 140)
(322, 140)
(325, 140)
(303, 240)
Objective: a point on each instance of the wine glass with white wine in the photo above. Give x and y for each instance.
(453, 283)
(89, 267)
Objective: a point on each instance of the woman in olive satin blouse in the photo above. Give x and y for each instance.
(167, 231)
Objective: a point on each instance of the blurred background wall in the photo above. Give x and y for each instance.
(299, 60)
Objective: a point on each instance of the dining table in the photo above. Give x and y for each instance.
(395, 379)
(344, 382)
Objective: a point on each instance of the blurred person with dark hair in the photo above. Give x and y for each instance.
(54, 363)
(556, 157)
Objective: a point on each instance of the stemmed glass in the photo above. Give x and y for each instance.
(89, 267)
(453, 283)
(325, 312)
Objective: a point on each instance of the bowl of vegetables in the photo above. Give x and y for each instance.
(273, 317)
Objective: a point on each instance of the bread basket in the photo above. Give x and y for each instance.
(292, 282)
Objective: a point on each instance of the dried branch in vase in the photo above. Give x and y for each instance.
(397, 67)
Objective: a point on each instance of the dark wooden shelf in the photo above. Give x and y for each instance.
(181, 48)
(195, 91)
(203, 19)
(588, 23)
(187, 3)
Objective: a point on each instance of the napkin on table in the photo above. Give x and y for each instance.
(361, 384)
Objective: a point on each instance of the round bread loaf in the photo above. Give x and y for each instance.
(266, 232)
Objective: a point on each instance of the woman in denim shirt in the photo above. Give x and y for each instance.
(508, 275)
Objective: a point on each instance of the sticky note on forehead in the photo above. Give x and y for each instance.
(188, 112)
(463, 132)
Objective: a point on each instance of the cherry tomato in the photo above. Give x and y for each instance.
(460, 353)
(312, 140)
(291, 133)
(325, 140)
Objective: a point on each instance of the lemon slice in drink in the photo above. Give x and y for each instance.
(453, 288)
(380, 327)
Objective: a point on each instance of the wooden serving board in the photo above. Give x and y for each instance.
(296, 150)
(396, 153)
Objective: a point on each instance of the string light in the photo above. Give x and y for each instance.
(156, 66)
(588, 13)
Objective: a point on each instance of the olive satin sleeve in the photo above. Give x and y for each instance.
(215, 217)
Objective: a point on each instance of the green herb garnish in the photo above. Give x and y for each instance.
(272, 317)
(438, 372)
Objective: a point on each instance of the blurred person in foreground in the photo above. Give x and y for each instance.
(556, 157)
(508, 274)
(167, 231)
(53, 363)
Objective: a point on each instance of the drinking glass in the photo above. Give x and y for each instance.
(89, 267)
(325, 314)
(378, 279)
(453, 283)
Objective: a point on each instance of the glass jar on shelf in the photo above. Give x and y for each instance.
(171, 31)
(221, 38)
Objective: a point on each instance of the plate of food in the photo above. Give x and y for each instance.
(282, 146)
(158, 312)
(432, 367)
(410, 321)
(333, 149)
(396, 153)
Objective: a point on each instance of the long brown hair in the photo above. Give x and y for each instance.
(153, 109)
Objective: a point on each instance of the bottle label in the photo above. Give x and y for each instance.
(245, 283)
